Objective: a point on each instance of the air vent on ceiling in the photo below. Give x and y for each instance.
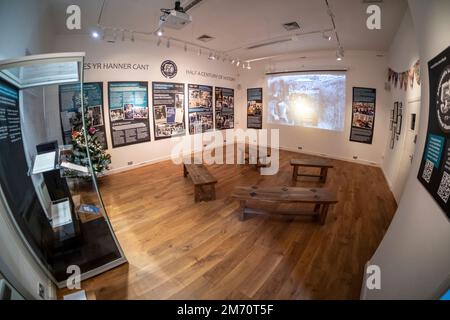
(291, 26)
(267, 44)
(205, 38)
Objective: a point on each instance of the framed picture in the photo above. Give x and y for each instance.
(395, 112)
(398, 127)
(413, 121)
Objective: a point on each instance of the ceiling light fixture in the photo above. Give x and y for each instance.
(248, 66)
(160, 32)
(95, 35)
(326, 36)
(340, 54)
(238, 63)
(211, 56)
(233, 61)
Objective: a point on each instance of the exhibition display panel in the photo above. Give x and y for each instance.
(48, 180)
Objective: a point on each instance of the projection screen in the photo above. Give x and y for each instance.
(313, 99)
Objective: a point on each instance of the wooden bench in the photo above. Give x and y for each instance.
(204, 182)
(321, 198)
(323, 165)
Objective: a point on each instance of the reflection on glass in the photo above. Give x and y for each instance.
(47, 176)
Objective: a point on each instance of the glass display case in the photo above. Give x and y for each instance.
(49, 183)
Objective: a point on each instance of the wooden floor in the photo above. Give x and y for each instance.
(181, 250)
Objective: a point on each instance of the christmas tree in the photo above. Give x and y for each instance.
(82, 142)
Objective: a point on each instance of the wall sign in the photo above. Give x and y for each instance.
(254, 108)
(434, 172)
(168, 109)
(128, 113)
(69, 108)
(363, 115)
(200, 108)
(169, 69)
(224, 108)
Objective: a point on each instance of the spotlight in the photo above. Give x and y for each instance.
(160, 32)
(95, 35)
(233, 61)
(327, 37)
(248, 66)
(211, 56)
(238, 63)
(340, 54)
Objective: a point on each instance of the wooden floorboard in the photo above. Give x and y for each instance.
(179, 249)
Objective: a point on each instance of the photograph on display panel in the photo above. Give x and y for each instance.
(224, 108)
(168, 109)
(200, 108)
(128, 112)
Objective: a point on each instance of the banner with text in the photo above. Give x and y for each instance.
(168, 110)
(69, 108)
(128, 113)
(200, 108)
(363, 115)
(224, 98)
(434, 172)
(254, 108)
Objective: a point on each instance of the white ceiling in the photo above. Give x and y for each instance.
(238, 24)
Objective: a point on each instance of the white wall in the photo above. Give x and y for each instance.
(141, 52)
(365, 69)
(403, 53)
(414, 254)
(24, 25)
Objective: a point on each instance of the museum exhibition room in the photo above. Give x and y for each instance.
(224, 150)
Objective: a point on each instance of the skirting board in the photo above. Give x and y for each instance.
(146, 163)
(160, 159)
(364, 162)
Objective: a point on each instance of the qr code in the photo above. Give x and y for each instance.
(444, 187)
(427, 171)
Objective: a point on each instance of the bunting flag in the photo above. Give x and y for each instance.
(406, 77)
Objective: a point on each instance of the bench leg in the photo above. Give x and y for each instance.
(323, 214)
(185, 173)
(197, 193)
(323, 174)
(294, 174)
(213, 192)
(242, 214)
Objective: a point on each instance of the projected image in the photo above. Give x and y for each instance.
(307, 100)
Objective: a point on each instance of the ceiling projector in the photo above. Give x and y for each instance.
(175, 18)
